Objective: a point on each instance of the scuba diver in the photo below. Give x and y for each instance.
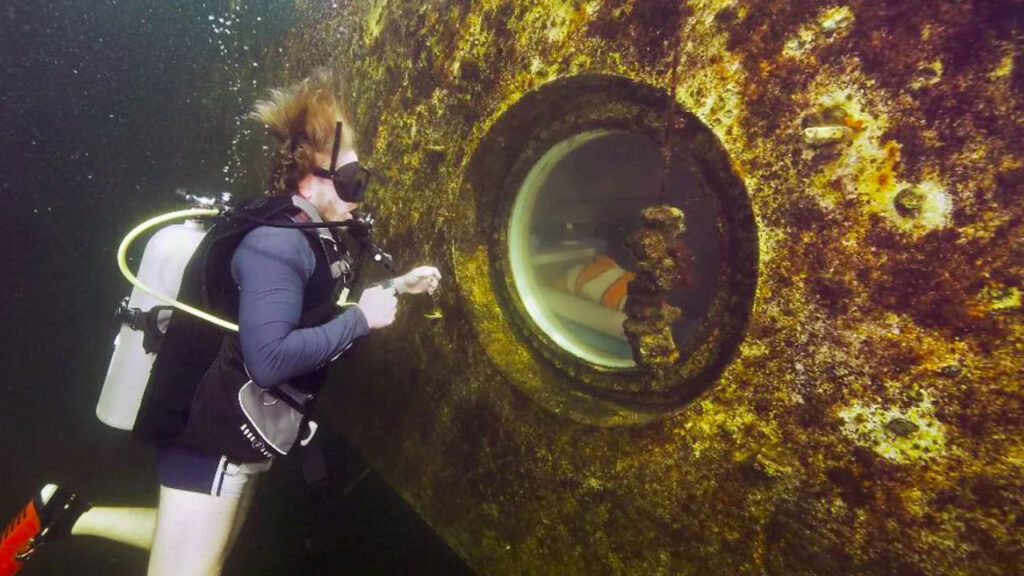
(219, 405)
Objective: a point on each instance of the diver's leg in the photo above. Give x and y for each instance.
(192, 533)
(248, 492)
(131, 526)
(203, 500)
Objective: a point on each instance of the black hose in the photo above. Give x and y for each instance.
(358, 227)
(354, 223)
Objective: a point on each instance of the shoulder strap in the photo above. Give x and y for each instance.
(327, 240)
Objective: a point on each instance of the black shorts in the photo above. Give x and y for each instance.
(192, 471)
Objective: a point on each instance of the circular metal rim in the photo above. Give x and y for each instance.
(504, 155)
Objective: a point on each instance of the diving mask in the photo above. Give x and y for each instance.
(350, 180)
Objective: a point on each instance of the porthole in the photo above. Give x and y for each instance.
(567, 235)
(559, 184)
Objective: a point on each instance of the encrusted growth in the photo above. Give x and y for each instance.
(872, 421)
(663, 264)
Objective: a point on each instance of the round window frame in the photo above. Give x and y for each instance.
(508, 151)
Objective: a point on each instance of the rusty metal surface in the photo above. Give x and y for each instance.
(871, 421)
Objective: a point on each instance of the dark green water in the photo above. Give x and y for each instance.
(105, 108)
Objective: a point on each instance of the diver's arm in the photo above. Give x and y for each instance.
(271, 267)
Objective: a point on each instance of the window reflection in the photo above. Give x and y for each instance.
(567, 233)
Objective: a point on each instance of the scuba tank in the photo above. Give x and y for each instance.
(145, 314)
(142, 315)
(143, 319)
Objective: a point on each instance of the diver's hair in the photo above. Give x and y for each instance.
(302, 118)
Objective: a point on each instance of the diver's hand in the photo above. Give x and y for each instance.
(418, 280)
(378, 305)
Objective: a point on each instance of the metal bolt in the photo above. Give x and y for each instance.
(825, 135)
(951, 370)
(901, 427)
(908, 202)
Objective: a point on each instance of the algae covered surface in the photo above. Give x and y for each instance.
(871, 420)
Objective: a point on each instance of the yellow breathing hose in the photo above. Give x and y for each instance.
(122, 263)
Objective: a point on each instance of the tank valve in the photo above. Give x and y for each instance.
(221, 202)
(125, 314)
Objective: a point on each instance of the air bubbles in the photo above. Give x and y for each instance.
(237, 38)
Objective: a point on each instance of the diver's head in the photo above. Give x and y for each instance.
(316, 148)
(337, 184)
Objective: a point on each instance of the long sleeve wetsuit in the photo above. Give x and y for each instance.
(271, 267)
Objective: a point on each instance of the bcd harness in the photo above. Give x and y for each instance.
(198, 371)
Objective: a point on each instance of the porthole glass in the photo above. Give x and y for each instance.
(567, 236)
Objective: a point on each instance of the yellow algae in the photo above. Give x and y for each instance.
(374, 22)
(492, 321)
(560, 15)
(705, 433)
(835, 19)
(831, 23)
(801, 42)
(927, 74)
(902, 435)
(711, 87)
(1005, 67)
(996, 296)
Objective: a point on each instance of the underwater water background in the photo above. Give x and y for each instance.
(106, 109)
